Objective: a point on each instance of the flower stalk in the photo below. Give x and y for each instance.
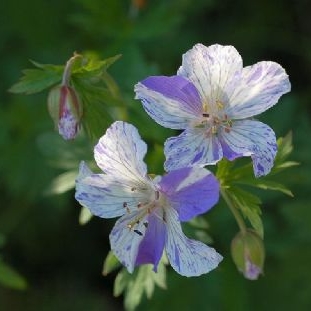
(68, 68)
(233, 209)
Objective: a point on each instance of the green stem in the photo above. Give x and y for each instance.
(67, 70)
(234, 211)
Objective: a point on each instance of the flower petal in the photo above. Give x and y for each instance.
(125, 242)
(187, 257)
(171, 101)
(192, 147)
(191, 191)
(260, 88)
(251, 138)
(151, 247)
(120, 153)
(214, 70)
(105, 196)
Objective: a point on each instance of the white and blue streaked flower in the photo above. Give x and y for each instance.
(212, 99)
(151, 209)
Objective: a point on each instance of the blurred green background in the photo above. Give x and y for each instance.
(40, 235)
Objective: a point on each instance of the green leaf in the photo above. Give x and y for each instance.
(285, 147)
(199, 222)
(94, 66)
(249, 205)
(265, 184)
(223, 169)
(63, 183)
(142, 281)
(110, 264)
(36, 80)
(85, 216)
(10, 278)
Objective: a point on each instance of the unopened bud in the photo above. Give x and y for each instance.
(65, 109)
(248, 253)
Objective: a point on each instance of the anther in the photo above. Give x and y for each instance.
(219, 104)
(145, 224)
(138, 232)
(126, 207)
(157, 195)
(164, 216)
(205, 115)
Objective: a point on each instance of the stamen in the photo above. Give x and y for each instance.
(126, 207)
(219, 104)
(138, 232)
(157, 195)
(164, 216)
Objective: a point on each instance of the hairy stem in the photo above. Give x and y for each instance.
(233, 209)
(68, 67)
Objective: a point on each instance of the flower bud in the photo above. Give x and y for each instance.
(65, 109)
(248, 253)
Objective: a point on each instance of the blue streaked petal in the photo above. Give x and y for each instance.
(172, 102)
(187, 257)
(251, 138)
(214, 70)
(151, 247)
(260, 88)
(125, 242)
(106, 196)
(191, 191)
(192, 147)
(120, 153)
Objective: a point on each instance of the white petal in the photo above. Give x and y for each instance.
(120, 153)
(260, 88)
(251, 138)
(125, 242)
(172, 102)
(105, 196)
(187, 257)
(192, 147)
(214, 70)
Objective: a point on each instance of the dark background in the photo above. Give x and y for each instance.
(40, 234)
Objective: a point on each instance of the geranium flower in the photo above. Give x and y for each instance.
(151, 209)
(212, 99)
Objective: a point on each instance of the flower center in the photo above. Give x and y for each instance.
(213, 118)
(155, 205)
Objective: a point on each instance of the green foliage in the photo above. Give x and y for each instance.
(231, 178)
(142, 281)
(110, 264)
(10, 278)
(36, 80)
(98, 91)
(45, 238)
